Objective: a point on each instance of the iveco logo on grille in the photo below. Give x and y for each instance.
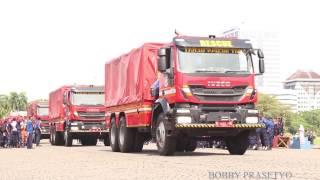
(92, 110)
(219, 83)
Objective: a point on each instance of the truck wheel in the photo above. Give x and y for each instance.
(139, 141)
(52, 140)
(191, 146)
(165, 143)
(67, 138)
(106, 140)
(114, 136)
(58, 136)
(84, 141)
(126, 136)
(93, 141)
(238, 145)
(180, 145)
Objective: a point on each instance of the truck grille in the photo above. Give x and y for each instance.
(221, 94)
(92, 115)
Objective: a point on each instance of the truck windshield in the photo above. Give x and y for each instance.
(213, 60)
(91, 99)
(43, 111)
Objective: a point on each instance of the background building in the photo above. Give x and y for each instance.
(287, 97)
(269, 42)
(306, 86)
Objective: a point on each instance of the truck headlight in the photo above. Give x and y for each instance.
(75, 113)
(183, 111)
(74, 123)
(186, 90)
(252, 120)
(253, 111)
(249, 91)
(74, 128)
(183, 119)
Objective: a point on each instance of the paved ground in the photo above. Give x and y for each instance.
(98, 162)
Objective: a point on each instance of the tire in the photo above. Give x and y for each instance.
(84, 141)
(139, 142)
(67, 136)
(114, 136)
(106, 140)
(93, 141)
(180, 145)
(58, 138)
(89, 141)
(126, 137)
(166, 144)
(239, 144)
(190, 146)
(52, 141)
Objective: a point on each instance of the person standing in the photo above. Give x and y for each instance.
(29, 128)
(14, 133)
(263, 135)
(23, 133)
(37, 131)
(19, 131)
(9, 133)
(270, 132)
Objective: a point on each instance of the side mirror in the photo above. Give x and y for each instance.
(65, 98)
(164, 59)
(261, 66)
(261, 61)
(260, 54)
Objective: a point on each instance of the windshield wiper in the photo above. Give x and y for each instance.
(236, 71)
(207, 70)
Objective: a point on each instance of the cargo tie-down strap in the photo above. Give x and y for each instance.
(215, 126)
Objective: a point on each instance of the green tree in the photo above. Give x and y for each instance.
(312, 118)
(4, 106)
(18, 101)
(23, 101)
(271, 107)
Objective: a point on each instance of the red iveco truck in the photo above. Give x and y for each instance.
(39, 110)
(194, 88)
(77, 112)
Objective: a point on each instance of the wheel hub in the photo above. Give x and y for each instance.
(161, 134)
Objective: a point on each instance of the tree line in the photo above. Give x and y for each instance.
(271, 107)
(12, 102)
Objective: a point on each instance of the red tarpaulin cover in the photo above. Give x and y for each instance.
(129, 77)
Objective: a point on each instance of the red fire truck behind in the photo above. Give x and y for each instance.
(39, 110)
(194, 88)
(77, 112)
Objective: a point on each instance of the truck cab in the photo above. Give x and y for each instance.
(206, 91)
(83, 116)
(39, 109)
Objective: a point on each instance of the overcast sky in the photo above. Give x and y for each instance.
(46, 44)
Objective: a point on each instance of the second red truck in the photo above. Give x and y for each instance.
(77, 112)
(39, 110)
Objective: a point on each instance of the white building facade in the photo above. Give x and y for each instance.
(306, 85)
(287, 97)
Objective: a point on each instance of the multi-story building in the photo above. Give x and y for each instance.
(306, 85)
(269, 42)
(287, 97)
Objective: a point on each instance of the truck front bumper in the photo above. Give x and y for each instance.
(213, 121)
(213, 126)
(80, 127)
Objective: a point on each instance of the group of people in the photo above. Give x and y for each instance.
(19, 132)
(262, 138)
